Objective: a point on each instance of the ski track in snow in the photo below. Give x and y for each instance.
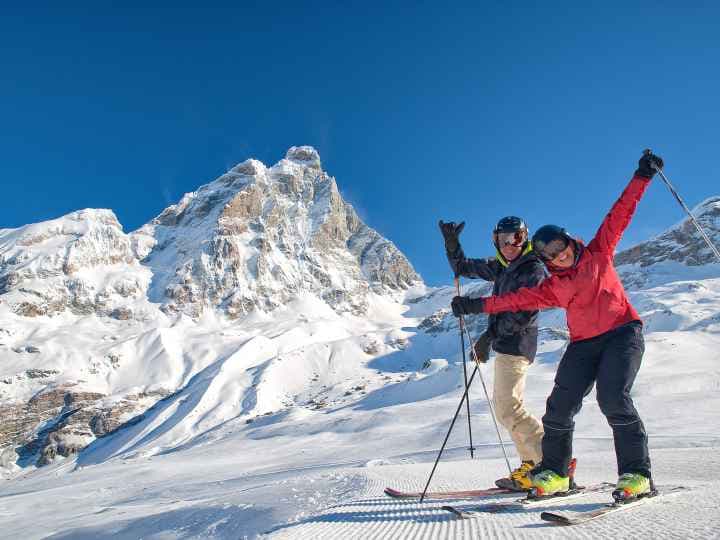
(374, 516)
(143, 499)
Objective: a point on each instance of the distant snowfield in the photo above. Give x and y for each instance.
(291, 425)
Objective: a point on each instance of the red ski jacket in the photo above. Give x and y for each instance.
(591, 290)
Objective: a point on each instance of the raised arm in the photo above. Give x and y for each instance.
(486, 269)
(619, 216)
(618, 219)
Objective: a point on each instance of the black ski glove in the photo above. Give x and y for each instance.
(648, 165)
(482, 347)
(451, 233)
(463, 305)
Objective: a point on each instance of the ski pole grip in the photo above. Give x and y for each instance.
(647, 152)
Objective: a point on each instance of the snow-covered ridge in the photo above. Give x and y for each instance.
(82, 262)
(253, 238)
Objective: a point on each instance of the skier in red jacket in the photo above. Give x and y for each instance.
(606, 342)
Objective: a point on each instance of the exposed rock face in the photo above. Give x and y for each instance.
(682, 243)
(72, 420)
(257, 236)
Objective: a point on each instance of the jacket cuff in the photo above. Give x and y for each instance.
(478, 305)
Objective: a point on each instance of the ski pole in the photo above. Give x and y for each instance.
(490, 405)
(452, 424)
(684, 206)
(462, 348)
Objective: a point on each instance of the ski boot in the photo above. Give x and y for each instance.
(519, 479)
(632, 486)
(547, 483)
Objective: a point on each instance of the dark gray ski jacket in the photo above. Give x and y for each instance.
(511, 332)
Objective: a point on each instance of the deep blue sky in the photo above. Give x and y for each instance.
(422, 110)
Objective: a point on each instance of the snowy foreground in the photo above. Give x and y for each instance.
(291, 426)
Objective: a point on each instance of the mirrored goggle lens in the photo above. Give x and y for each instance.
(551, 250)
(516, 239)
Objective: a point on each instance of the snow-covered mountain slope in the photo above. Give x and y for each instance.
(370, 415)
(205, 418)
(96, 324)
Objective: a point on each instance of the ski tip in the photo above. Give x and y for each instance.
(558, 519)
(453, 510)
(395, 494)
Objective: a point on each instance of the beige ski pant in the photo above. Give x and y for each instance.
(508, 392)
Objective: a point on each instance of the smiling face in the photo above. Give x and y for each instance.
(510, 252)
(565, 258)
(510, 244)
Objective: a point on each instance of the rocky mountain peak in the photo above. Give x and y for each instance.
(305, 155)
(258, 235)
(251, 239)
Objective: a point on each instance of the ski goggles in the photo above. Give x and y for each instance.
(549, 251)
(515, 239)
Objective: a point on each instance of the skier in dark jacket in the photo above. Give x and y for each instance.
(512, 335)
(606, 342)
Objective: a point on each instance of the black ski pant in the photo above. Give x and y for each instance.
(611, 361)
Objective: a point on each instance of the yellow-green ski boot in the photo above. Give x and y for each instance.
(631, 486)
(547, 483)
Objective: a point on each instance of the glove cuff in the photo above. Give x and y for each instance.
(452, 245)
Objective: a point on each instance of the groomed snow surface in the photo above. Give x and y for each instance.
(291, 425)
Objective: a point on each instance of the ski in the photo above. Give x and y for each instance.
(477, 510)
(583, 517)
(468, 494)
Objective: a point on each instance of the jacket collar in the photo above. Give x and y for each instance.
(527, 255)
(527, 250)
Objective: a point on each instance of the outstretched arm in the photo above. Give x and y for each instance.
(546, 295)
(520, 319)
(550, 293)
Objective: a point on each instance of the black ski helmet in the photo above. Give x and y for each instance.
(510, 224)
(546, 235)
